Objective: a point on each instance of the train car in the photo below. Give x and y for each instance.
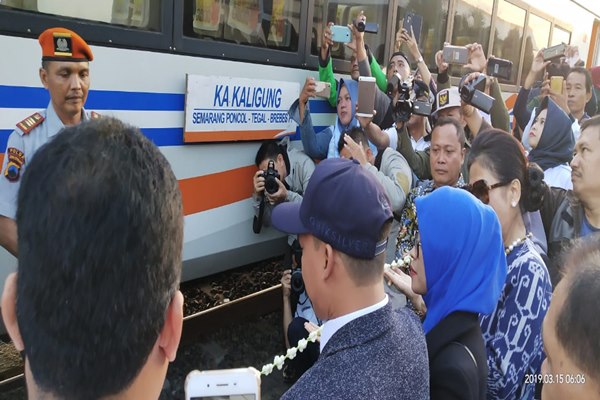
(147, 50)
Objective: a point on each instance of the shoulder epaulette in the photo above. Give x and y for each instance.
(94, 115)
(30, 122)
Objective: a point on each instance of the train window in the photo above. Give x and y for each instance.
(433, 31)
(344, 13)
(508, 35)
(536, 37)
(272, 24)
(472, 22)
(559, 36)
(143, 14)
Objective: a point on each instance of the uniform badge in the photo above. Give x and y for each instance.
(443, 98)
(30, 122)
(16, 160)
(62, 44)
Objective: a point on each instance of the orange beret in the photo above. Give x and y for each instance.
(60, 44)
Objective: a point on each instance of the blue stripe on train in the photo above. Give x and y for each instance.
(160, 136)
(37, 97)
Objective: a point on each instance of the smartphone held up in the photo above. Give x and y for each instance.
(341, 34)
(322, 89)
(458, 55)
(366, 96)
(224, 384)
(556, 84)
(413, 22)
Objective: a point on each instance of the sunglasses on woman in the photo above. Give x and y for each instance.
(481, 189)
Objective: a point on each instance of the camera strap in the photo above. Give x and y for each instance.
(257, 222)
(378, 159)
(286, 159)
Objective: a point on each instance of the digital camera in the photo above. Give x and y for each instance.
(271, 175)
(472, 93)
(369, 27)
(407, 103)
(296, 281)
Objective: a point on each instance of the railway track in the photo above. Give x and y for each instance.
(204, 322)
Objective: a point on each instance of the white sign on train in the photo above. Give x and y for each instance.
(219, 108)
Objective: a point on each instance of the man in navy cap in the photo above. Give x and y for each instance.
(65, 74)
(367, 350)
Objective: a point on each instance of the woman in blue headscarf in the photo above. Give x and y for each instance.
(323, 144)
(458, 266)
(552, 143)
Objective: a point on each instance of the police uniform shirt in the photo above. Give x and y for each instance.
(22, 145)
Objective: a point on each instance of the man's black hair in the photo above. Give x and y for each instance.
(460, 131)
(100, 238)
(357, 134)
(593, 122)
(269, 149)
(401, 54)
(577, 323)
(586, 74)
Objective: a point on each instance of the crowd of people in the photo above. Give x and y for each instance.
(444, 257)
(482, 266)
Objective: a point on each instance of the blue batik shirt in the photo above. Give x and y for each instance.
(513, 331)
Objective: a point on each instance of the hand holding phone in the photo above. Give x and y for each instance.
(499, 68)
(413, 23)
(238, 383)
(456, 54)
(554, 52)
(322, 89)
(556, 84)
(341, 34)
(366, 96)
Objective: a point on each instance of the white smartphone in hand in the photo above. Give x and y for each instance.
(366, 96)
(223, 384)
(323, 89)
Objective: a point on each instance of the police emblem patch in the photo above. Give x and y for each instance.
(443, 98)
(16, 160)
(62, 44)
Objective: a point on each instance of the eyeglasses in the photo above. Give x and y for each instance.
(481, 189)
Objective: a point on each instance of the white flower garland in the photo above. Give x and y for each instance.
(405, 262)
(278, 361)
(292, 352)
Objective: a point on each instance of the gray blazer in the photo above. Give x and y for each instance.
(381, 355)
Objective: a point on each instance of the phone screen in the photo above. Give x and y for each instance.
(414, 21)
(227, 397)
(366, 96)
(556, 84)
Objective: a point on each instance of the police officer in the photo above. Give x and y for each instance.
(65, 74)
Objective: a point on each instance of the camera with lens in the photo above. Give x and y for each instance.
(271, 186)
(407, 102)
(271, 175)
(368, 27)
(472, 93)
(296, 282)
